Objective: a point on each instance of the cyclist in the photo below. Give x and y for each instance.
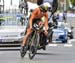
(36, 15)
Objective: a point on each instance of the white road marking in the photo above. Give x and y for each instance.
(67, 45)
(52, 45)
(71, 40)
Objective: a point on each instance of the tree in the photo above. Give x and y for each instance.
(73, 2)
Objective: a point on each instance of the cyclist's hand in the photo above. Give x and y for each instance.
(46, 32)
(40, 23)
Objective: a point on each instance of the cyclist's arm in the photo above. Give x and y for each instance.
(32, 17)
(46, 21)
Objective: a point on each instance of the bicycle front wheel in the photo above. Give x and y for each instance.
(24, 49)
(32, 46)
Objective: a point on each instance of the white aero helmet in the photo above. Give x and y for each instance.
(46, 5)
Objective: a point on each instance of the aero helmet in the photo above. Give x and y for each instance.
(45, 6)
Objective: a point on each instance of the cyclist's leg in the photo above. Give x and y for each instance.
(29, 31)
(23, 46)
(44, 40)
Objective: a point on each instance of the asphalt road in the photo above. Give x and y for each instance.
(55, 53)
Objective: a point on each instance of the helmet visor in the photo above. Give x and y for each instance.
(43, 10)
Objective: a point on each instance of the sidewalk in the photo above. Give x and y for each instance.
(68, 14)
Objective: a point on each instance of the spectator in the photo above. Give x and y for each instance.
(55, 19)
(65, 16)
(39, 2)
(23, 4)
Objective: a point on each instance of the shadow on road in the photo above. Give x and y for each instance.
(46, 54)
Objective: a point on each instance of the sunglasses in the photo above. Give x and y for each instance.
(44, 11)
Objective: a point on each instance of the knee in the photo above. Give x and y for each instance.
(28, 33)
